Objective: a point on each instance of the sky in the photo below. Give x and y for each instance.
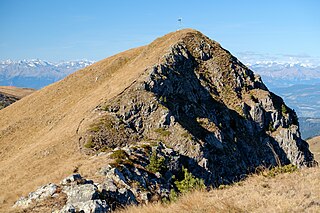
(59, 30)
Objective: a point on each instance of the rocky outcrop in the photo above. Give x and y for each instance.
(204, 103)
(149, 174)
(41, 193)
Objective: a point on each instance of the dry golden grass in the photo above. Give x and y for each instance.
(295, 192)
(314, 144)
(39, 135)
(16, 91)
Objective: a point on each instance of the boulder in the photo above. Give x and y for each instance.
(41, 193)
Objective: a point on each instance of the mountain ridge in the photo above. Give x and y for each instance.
(182, 91)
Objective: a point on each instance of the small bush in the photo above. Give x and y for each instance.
(189, 182)
(119, 154)
(163, 99)
(284, 110)
(121, 157)
(89, 144)
(157, 164)
(276, 170)
(173, 196)
(163, 132)
(106, 108)
(281, 169)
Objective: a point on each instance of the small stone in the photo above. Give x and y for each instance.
(70, 179)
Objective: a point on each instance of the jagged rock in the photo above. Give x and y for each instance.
(81, 193)
(125, 197)
(108, 185)
(91, 206)
(41, 193)
(257, 115)
(117, 176)
(290, 141)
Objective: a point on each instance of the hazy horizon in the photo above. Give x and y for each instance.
(67, 30)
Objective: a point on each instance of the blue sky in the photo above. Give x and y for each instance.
(58, 30)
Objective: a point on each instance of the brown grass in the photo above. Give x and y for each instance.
(314, 144)
(15, 91)
(295, 192)
(39, 135)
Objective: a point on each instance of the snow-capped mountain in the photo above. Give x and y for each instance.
(287, 71)
(282, 70)
(37, 73)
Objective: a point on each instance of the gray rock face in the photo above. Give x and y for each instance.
(81, 193)
(90, 206)
(41, 193)
(204, 103)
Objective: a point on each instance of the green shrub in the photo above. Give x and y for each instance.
(284, 110)
(189, 182)
(173, 196)
(157, 164)
(280, 170)
(106, 108)
(121, 157)
(89, 143)
(119, 154)
(163, 99)
(283, 169)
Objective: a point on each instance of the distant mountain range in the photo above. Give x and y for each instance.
(36, 73)
(276, 74)
(297, 83)
(310, 127)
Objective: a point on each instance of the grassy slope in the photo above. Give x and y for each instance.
(15, 91)
(314, 144)
(38, 134)
(295, 192)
